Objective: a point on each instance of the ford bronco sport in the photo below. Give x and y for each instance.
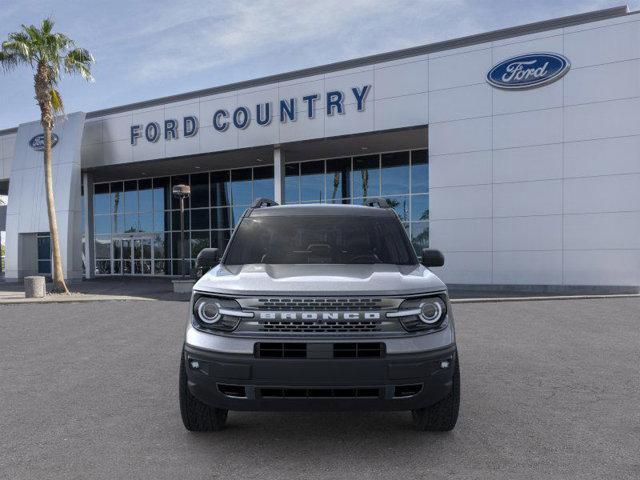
(319, 307)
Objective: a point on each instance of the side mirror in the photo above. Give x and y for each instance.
(207, 259)
(432, 257)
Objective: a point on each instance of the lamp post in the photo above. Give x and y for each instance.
(182, 192)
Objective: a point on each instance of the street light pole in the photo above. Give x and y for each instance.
(182, 192)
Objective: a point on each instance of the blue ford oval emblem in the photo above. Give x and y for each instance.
(528, 71)
(37, 142)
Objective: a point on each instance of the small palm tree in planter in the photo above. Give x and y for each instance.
(48, 54)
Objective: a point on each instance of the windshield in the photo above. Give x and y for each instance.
(320, 239)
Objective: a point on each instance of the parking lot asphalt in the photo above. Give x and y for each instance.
(550, 389)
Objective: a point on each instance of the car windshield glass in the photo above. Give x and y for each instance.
(320, 239)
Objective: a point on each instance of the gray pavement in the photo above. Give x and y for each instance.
(550, 389)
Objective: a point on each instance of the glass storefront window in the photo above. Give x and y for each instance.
(338, 179)
(366, 176)
(395, 173)
(144, 210)
(419, 171)
(200, 190)
(292, 183)
(220, 189)
(241, 193)
(101, 199)
(161, 194)
(145, 195)
(312, 181)
(263, 182)
(117, 200)
(131, 196)
(200, 219)
(420, 207)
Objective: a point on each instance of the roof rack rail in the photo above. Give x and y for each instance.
(376, 202)
(263, 202)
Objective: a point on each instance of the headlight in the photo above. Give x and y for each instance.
(208, 310)
(211, 313)
(431, 311)
(425, 313)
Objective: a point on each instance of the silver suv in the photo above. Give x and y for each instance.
(319, 307)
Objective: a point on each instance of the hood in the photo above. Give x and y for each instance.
(265, 279)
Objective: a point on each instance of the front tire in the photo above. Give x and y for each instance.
(196, 415)
(443, 415)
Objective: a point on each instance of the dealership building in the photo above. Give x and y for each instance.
(515, 152)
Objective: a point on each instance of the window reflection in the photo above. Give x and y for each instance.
(395, 173)
(141, 210)
(366, 176)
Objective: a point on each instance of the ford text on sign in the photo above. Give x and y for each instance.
(528, 71)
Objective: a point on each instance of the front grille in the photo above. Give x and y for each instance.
(319, 326)
(328, 304)
(336, 392)
(319, 350)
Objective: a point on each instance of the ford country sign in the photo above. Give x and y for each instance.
(528, 71)
(37, 142)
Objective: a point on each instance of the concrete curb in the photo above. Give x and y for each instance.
(73, 298)
(542, 299)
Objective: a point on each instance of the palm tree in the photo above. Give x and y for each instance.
(47, 53)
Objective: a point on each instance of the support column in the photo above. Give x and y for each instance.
(87, 186)
(278, 175)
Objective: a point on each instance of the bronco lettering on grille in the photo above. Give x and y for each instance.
(319, 315)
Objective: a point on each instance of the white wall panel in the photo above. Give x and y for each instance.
(460, 136)
(599, 83)
(92, 133)
(527, 198)
(117, 127)
(527, 128)
(602, 267)
(539, 232)
(465, 235)
(602, 157)
(603, 45)
(457, 169)
(527, 268)
(540, 162)
(344, 82)
(508, 101)
(212, 140)
(602, 231)
(466, 268)
(458, 70)
(611, 193)
(460, 103)
(402, 79)
(600, 120)
(352, 121)
(398, 112)
(460, 202)
(302, 129)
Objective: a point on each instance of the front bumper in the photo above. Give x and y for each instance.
(403, 381)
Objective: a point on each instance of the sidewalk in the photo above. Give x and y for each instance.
(103, 289)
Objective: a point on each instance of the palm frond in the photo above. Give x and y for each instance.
(79, 60)
(56, 101)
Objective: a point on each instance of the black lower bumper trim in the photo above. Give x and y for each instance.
(394, 382)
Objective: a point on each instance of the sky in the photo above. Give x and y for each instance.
(149, 49)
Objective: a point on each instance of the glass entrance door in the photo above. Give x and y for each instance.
(142, 256)
(133, 255)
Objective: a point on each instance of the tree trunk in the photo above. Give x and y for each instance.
(42, 84)
(59, 284)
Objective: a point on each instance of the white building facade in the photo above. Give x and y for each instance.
(526, 174)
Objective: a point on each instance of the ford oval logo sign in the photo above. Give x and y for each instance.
(528, 71)
(37, 142)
